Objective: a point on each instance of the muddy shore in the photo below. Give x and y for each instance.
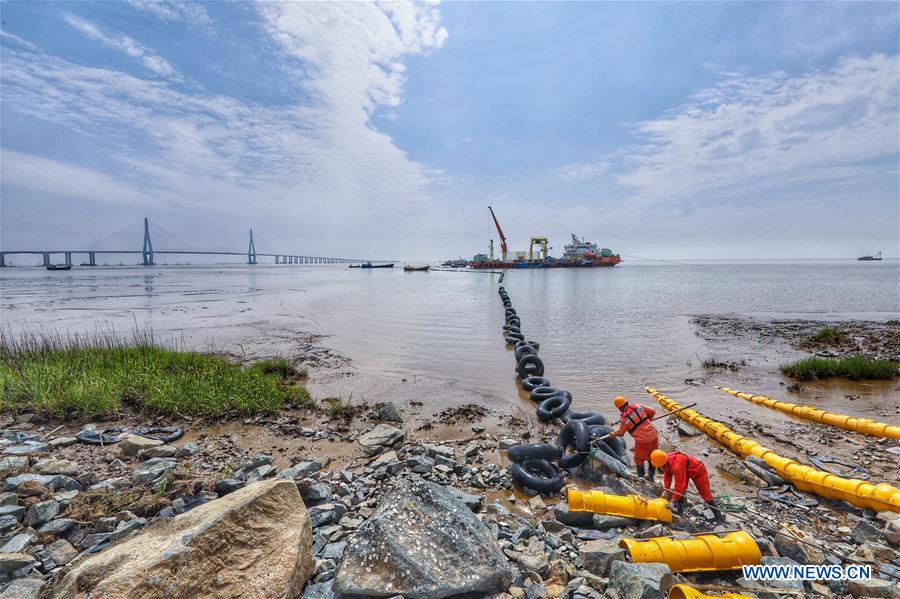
(475, 435)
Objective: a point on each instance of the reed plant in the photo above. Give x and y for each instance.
(101, 373)
(855, 368)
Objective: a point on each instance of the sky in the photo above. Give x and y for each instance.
(676, 130)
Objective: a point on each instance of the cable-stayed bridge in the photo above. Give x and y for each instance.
(148, 254)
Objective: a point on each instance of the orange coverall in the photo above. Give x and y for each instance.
(636, 420)
(683, 467)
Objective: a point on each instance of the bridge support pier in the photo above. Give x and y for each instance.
(68, 256)
(46, 258)
(92, 259)
(147, 252)
(2, 260)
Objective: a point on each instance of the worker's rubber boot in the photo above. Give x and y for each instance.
(720, 517)
(651, 472)
(640, 470)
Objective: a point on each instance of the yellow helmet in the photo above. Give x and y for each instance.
(620, 401)
(658, 458)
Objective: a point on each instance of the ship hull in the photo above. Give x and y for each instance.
(593, 263)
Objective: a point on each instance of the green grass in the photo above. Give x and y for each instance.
(828, 335)
(855, 368)
(101, 375)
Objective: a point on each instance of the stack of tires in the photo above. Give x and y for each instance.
(534, 466)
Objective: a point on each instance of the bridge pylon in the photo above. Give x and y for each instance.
(251, 251)
(147, 252)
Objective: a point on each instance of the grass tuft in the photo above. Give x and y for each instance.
(829, 335)
(88, 376)
(856, 368)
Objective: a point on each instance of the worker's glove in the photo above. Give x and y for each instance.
(678, 506)
(667, 495)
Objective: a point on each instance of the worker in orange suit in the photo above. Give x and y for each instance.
(683, 468)
(636, 420)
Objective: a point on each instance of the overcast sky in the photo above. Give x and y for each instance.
(671, 130)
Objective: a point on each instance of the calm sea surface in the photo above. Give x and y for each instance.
(603, 332)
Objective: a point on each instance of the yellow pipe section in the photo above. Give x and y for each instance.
(630, 506)
(865, 426)
(683, 591)
(705, 553)
(880, 497)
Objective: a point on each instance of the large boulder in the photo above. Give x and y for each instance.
(254, 542)
(422, 541)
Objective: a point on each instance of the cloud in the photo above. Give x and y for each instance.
(174, 10)
(316, 166)
(752, 132)
(35, 173)
(123, 43)
(749, 133)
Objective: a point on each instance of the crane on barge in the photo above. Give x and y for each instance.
(503, 248)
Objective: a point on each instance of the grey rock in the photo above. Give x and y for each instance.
(433, 451)
(106, 524)
(316, 494)
(539, 564)
(10, 562)
(23, 588)
(27, 448)
(94, 539)
(334, 551)
(228, 485)
(420, 464)
(579, 519)
(607, 522)
(188, 449)
(57, 526)
(327, 513)
(61, 552)
(160, 451)
(864, 533)
(257, 461)
(640, 581)
(425, 543)
(787, 545)
(16, 511)
(51, 481)
(874, 587)
(56, 466)
(686, 429)
(9, 498)
(651, 532)
(152, 470)
(303, 469)
(8, 523)
(126, 527)
(62, 442)
(118, 464)
(18, 543)
(42, 512)
(473, 502)
(383, 435)
(259, 473)
(13, 462)
(597, 557)
(892, 533)
(386, 411)
(321, 590)
(132, 444)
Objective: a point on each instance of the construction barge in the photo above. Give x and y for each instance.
(578, 254)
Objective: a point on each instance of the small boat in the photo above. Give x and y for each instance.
(409, 268)
(59, 267)
(868, 258)
(370, 265)
(354, 266)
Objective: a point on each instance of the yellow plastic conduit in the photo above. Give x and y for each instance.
(880, 497)
(865, 426)
(630, 506)
(700, 554)
(683, 591)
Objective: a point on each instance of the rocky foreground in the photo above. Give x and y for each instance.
(403, 518)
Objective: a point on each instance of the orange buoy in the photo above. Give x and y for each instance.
(630, 506)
